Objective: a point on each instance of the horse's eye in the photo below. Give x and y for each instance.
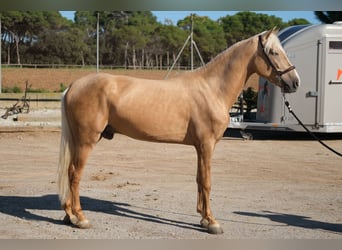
(273, 52)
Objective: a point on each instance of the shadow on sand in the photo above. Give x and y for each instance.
(296, 221)
(19, 206)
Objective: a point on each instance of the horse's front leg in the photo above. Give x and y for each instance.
(204, 155)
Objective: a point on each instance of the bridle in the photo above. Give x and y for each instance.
(279, 72)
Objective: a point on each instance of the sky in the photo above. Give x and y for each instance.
(174, 16)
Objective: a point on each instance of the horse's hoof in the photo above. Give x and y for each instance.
(204, 223)
(215, 229)
(84, 224)
(73, 219)
(76, 222)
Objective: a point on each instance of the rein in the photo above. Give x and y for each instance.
(307, 130)
(279, 72)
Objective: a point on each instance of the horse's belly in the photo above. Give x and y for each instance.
(152, 124)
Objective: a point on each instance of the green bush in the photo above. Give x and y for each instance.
(14, 89)
(62, 87)
(250, 98)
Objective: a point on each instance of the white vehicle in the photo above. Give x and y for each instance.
(316, 51)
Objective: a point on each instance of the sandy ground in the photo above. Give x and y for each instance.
(132, 189)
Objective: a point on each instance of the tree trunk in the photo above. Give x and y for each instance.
(82, 58)
(16, 39)
(9, 54)
(167, 59)
(126, 48)
(17, 47)
(134, 58)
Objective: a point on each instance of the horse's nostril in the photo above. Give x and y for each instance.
(295, 84)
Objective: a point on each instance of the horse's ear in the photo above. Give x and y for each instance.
(269, 32)
(266, 35)
(275, 30)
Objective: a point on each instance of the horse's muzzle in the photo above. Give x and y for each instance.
(290, 88)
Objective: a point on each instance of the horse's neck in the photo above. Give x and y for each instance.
(228, 73)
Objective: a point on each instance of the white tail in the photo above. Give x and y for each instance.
(64, 156)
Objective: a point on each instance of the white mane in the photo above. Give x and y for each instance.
(273, 43)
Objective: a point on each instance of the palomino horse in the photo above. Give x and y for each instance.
(189, 109)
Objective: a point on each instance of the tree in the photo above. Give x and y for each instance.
(130, 38)
(15, 28)
(169, 40)
(65, 47)
(297, 21)
(21, 29)
(208, 35)
(123, 34)
(329, 16)
(245, 24)
(250, 97)
(136, 40)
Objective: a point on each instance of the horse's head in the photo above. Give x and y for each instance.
(273, 63)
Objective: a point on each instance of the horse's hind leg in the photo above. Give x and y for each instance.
(72, 206)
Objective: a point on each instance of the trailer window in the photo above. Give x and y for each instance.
(335, 45)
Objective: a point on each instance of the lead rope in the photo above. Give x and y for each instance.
(307, 130)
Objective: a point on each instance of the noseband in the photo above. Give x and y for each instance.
(279, 72)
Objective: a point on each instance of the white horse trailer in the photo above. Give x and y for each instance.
(316, 51)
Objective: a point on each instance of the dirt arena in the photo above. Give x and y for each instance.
(265, 189)
(51, 79)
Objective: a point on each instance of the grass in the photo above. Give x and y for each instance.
(14, 89)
